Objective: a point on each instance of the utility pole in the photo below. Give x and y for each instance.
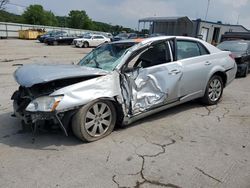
(238, 20)
(208, 4)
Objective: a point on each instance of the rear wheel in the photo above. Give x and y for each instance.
(214, 90)
(246, 71)
(94, 121)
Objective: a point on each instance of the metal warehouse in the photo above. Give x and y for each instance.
(183, 26)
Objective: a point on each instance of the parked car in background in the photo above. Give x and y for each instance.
(235, 36)
(121, 36)
(109, 35)
(91, 41)
(63, 38)
(50, 34)
(241, 52)
(121, 82)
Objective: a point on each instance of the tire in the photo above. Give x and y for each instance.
(55, 43)
(85, 44)
(94, 121)
(214, 91)
(246, 71)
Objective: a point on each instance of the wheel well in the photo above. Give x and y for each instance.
(119, 112)
(223, 77)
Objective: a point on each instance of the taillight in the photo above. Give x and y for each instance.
(232, 56)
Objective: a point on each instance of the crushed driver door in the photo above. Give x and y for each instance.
(152, 79)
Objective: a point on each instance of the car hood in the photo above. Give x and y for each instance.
(29, 75)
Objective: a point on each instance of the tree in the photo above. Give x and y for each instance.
(79, 19)
(3, 3)
(35, 14)
(50, 18)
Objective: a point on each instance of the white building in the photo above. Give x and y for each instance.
(183, 26)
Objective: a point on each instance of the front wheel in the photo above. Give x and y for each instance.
(85, 44)
(94, 121)
(214, 91)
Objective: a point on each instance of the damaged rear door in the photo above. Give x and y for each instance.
(151, 78)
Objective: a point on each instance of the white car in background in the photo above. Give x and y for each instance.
(91, 40)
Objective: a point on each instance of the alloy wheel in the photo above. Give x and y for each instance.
(98, 119)
(215, 90)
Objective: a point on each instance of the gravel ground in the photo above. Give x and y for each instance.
(186, 146)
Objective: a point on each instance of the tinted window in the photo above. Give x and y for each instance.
(187, 49)
(157, 54)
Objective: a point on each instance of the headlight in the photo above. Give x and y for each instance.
(44, 104)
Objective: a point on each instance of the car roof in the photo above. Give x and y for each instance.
(158, 38)
(144, 41)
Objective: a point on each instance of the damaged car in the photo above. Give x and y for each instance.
(121, 82)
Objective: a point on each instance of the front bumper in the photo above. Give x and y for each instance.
(31, 118)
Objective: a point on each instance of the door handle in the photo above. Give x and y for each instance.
(208, 63)
(174, 71)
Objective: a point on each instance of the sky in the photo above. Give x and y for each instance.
(128, 12)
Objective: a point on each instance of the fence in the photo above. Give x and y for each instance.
(10, 30)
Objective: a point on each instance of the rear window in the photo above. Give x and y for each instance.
(233, 46)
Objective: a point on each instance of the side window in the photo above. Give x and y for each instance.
(188, 49)
(203, 50)
(157, 54)
(98, 37)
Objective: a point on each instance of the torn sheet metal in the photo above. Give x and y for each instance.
(107, 86)
(147, 88)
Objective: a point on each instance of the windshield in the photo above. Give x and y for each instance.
(233, 46)
(106, 56)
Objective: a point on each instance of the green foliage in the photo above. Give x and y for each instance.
(79, 19)
(35, 14)
(9, 17)
(62, 21)
(51, 20)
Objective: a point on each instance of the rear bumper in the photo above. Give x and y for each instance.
(241, 68)
(231, 73)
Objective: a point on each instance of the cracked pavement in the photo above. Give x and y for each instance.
(186, 146)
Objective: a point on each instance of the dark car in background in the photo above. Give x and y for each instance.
(235, 36)
(241, 52)
(50, 34)
(121, 36)
(60, 39)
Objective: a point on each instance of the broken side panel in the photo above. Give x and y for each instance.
(147, 88)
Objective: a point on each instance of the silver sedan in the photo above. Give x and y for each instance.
(120, 82)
